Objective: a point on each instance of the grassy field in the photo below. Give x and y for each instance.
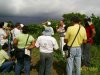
(58, 67)
(59, 64)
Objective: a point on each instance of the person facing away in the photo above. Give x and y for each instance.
(74, 61)
(6, 62)
(61, 31)
(22, 59)
(46, 43)
(90, 31)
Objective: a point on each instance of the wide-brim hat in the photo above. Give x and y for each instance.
(47, 32)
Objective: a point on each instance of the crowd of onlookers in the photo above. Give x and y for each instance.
(17, 45)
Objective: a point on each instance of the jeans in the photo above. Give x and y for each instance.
(6, 66)
(46, 60)
(74, 61)
(23, 63)
(86, 54)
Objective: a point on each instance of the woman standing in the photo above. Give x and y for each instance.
(23, 41)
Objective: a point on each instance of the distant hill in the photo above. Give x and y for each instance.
(24, 20)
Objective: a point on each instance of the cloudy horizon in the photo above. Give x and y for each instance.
(46, 9)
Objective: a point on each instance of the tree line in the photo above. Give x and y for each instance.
(36, 29)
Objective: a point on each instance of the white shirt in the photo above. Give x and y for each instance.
(15, 32)
(46, 44)
(2, 34)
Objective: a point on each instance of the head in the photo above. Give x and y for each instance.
(10, 27)
(86, 21)
(48, 23)
(22, 25)
(17, 25)
(47, 32)
(1, 24)
(5, 47)
(75, 19)
(5, 26)
(25, 29)
(61, 23)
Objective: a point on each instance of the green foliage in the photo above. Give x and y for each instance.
(67, 18)
(95, 20)
(35, 29)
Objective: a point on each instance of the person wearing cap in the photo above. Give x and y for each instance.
(73, 66)
(61, 31)
(90, 30)
(6, 62)
(46, 43)
(48, 25)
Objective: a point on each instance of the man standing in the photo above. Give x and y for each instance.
(46, 43)
(90, 30)
(74, 61)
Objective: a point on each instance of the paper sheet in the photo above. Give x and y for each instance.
(27, 52)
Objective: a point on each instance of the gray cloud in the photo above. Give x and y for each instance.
(57, 7)
(48, 8)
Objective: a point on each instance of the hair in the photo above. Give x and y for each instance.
(75, 19)
(5, 46)
(17, 24)
(86, 22)
(25, 29)
(1, 24)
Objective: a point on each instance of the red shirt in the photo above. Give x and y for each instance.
(89, 33)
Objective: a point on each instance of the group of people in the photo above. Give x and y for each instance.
(79, 38)
(24, 42)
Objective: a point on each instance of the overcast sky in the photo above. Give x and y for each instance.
(48, 8)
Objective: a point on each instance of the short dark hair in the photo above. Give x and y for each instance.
(5, 46)
(75, 19)
(25, 29)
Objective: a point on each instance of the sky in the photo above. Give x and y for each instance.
(42, 10)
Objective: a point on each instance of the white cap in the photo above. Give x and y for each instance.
(22, 25)
(5, 25)
(48, 23)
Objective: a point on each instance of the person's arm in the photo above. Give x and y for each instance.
(32, 45)
(37, 44)
(93, 33)
(65, 40)
(85, 37)
(56, 47)
(92, 28)
(15, 42)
